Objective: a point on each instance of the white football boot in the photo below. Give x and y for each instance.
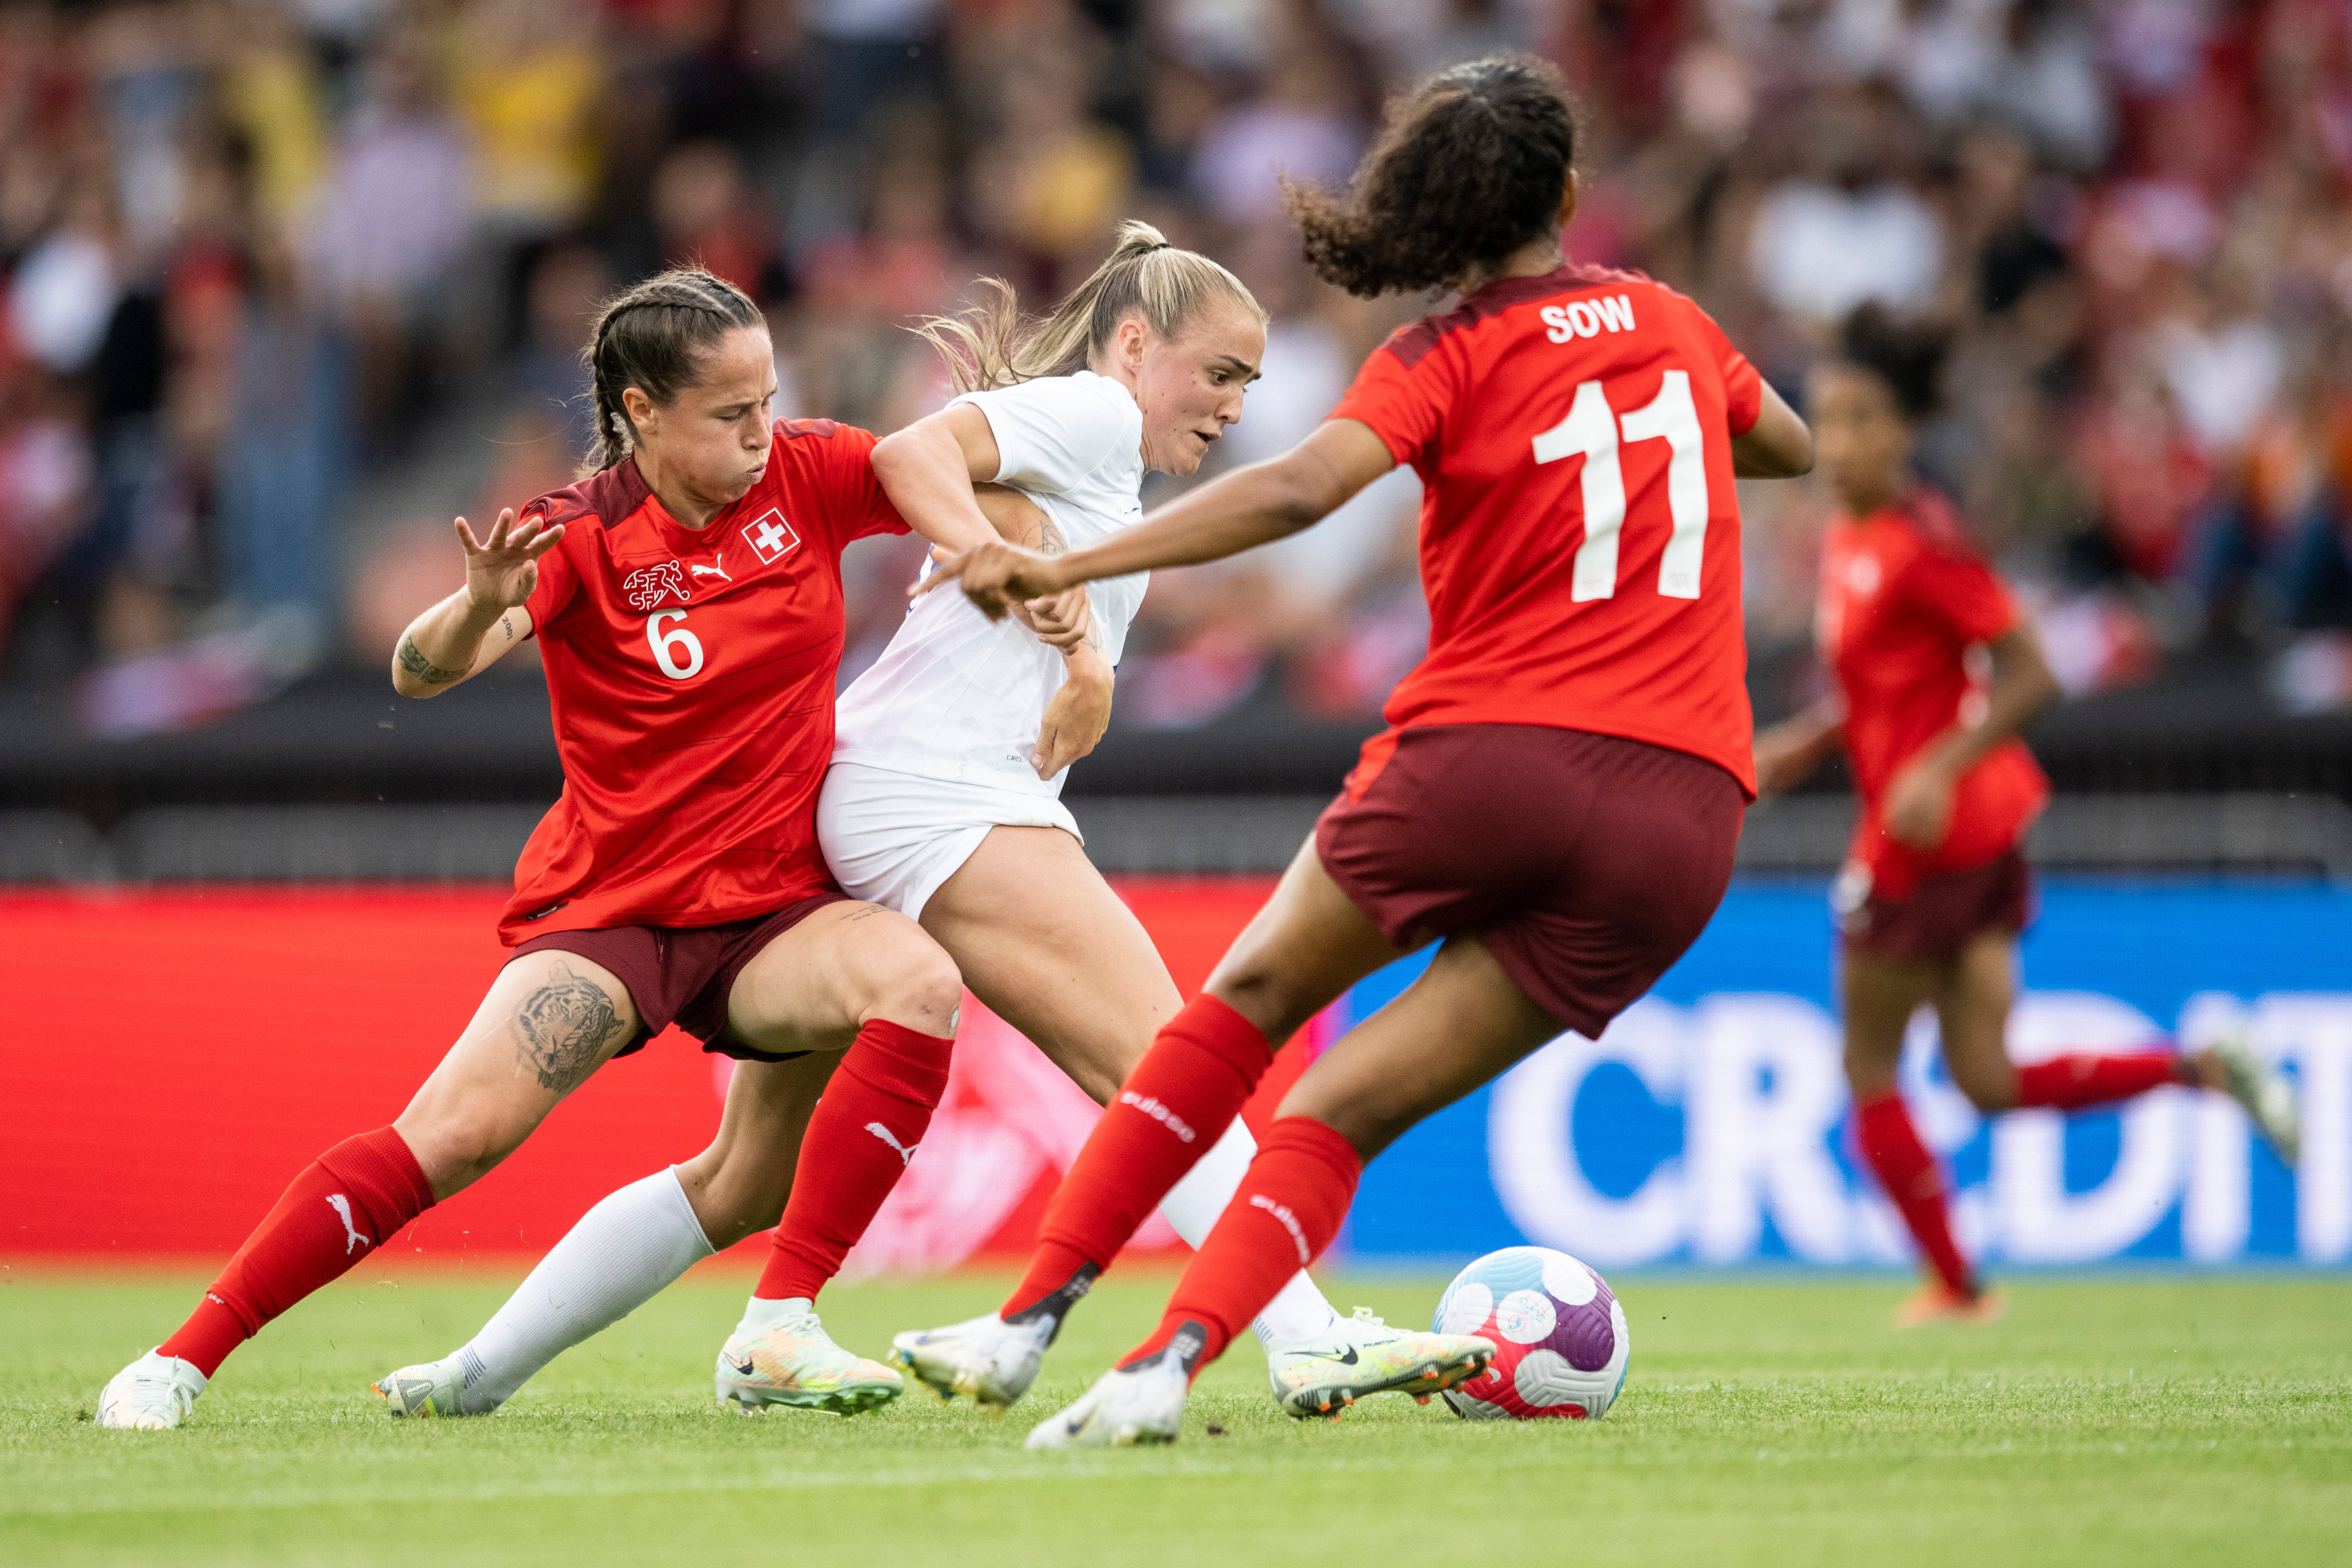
(1362, 1356)
(154, 1393)
(2268, 1098)
(791, 1360)
(1144, 1404)
(993, 1360)
(433, 1388)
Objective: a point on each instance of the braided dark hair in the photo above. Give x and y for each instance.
(1469, 166)
(648, 336)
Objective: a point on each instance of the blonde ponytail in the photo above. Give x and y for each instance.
(992, 346)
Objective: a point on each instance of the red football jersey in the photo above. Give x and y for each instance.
(1579, 534)
(691, 673)
(1904, 600)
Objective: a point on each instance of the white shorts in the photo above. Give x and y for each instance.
(894, 838)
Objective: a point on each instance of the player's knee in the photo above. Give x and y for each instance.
(458, 1141)
(1992, 1089)
(1263, 995)
(1869, 1073)
(920, 988)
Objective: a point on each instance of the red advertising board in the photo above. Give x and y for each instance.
(170, 1059)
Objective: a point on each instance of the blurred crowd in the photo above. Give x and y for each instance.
(265, 257)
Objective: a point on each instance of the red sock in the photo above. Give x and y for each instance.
(1907, 1171)
(2085, 1077)
(859, 1142)
(1178, 1101)
(1286, 1212)
(350, 1201)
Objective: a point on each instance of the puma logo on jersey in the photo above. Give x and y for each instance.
(353, 1240)
(906, 1151)
(717, 568)
(648, 586)
(1588, 318)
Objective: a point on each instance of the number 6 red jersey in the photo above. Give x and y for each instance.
(1579, 534)
(690, 674)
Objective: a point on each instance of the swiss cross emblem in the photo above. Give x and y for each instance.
(771, 537)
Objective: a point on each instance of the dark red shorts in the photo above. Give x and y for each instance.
(1585, 863)
(1942, 914)
(682, 974)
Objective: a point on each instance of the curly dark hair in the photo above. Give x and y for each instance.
(1469, 167)
(1908, 355)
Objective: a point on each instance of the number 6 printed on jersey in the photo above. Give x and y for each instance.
(664, 644)
(1591, 431)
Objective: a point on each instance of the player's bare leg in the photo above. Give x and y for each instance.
(1200, 1068)
(632, 1244)
(548, 1022)
(859, 980)
(1880, 995)
(1460, 1024)
(1972, 1006)
(1042, 940)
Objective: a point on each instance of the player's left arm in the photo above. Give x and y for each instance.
(929, 469)
(1919, 801)
(1788, 752)
(475, 626)
(1777, 447)
(1241, 510)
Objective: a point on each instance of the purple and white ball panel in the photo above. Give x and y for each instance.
(1559, 1330)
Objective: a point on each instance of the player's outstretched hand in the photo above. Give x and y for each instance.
(502, 571)
(992, 575)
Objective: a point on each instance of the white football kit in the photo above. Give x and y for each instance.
(932, 746)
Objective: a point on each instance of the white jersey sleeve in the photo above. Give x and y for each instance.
(1053, 433)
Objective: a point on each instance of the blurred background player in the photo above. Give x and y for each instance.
(690, 635)
(1559, 793)
(942, 799)
(1936, 671)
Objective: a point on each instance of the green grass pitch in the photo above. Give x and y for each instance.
(2134, 1420)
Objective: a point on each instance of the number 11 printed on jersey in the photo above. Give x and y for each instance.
(1591, 431)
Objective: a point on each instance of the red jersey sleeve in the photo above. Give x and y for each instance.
(1952, 586)
(559, 579)
(1404, 402)
(840, 460)
(1743, 387)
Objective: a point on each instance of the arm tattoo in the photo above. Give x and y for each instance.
(564, 1025)
(506, 625)
(1051, 543)
(413, 660)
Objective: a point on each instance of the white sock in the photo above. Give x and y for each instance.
(759, 1313)
(1191, 1207)
(620, 1255)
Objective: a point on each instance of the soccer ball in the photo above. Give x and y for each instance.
(1561, 1336)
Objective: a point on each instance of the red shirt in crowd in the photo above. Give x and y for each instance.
(1904, 601)
(691, 675)
(1579, 534)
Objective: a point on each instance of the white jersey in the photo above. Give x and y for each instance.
(959, 697)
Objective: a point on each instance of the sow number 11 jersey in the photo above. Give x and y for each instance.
(1580, 531)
